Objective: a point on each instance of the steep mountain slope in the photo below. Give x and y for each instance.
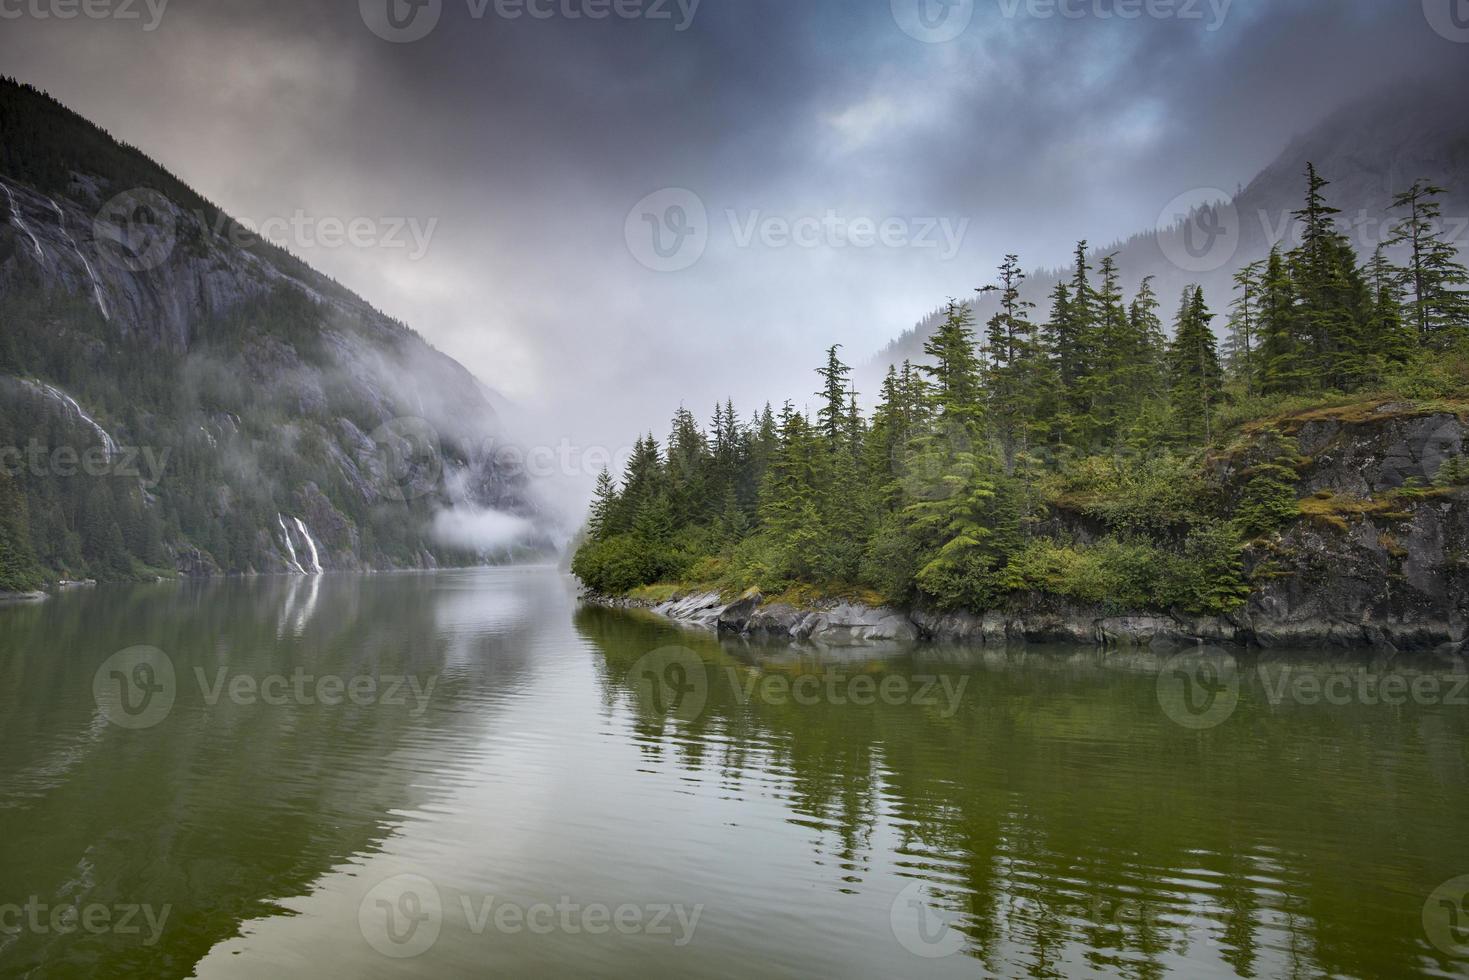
(1370, 151)
(177, 394)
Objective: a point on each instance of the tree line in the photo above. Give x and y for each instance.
(946, 492)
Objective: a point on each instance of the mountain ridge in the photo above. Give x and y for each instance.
(299, 419)
(1369, 150)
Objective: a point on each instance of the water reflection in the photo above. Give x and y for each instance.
(242, 796)
(1062, 824)
(901, 811)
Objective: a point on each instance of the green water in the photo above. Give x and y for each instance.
(516, 786)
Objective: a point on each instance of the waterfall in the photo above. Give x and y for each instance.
(315, 557)
(96, 286)
(72, 408)
(20, 222)
(290, 548)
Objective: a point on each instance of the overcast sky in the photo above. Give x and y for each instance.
(918, 142)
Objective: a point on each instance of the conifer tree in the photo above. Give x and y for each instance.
(1389, 337)
(1244, 326)
(1281, 361)
(955, 372)
(1332, 312)
(1194, 371)
(831, 416)
(1434, 277)
(600, 524)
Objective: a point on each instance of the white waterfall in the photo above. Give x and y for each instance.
(96, 285)
(20, 222)
(290, 548)
(315, 556)
(56, 394)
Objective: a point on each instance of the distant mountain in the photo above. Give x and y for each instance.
(290, 426)
(1369, 151)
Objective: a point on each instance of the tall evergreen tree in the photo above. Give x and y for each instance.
(1281, 362)
(1434, 277)
(1194, 370)
(1244, 326)
(831, 416)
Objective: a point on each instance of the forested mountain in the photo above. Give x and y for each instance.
(1371, 150)
(178, 395)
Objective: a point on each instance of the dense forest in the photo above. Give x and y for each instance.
(949, 492)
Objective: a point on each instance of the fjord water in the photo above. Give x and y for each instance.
(553, 788)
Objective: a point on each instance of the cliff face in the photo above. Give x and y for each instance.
(298, 428)
(1380, 553)
(1378, 556)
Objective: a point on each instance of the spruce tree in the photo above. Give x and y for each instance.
(1433, 276)
(1281, 361)
(1194, 372)
(831, 416)
(1332, 312)
(600, 524)
(1244, 326)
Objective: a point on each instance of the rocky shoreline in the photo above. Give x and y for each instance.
(845, 622)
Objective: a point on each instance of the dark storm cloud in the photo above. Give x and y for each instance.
(528, 141)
